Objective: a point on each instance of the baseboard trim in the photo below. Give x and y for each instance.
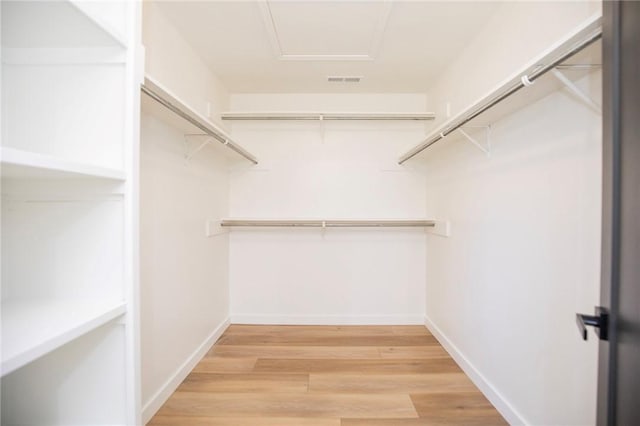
(327, 319)
(510, 414)
(160, 397)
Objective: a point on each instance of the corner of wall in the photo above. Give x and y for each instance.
(150, 407)
(511, 415)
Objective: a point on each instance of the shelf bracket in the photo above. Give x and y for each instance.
(576, 90)
(487, 147)
(189, 154)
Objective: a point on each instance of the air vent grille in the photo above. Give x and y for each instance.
(344, 79)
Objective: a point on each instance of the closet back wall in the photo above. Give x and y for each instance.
(340, 276)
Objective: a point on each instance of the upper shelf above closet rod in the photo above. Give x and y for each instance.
(329, 116)
(329, 223)
(583, 36)
(163, 96)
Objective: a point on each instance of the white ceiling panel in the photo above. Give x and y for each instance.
(396, 46)
(305, 30)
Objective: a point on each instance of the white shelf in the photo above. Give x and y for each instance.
(187, 118)
(328, 223)
(33, 328)
(63, 56)
(68, 111)
(52, 24)
(80, 383)
(513, 89)
(27, 165)
(329, 116)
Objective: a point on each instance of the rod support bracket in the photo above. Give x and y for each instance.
(190, 153)
(486, 148)
(573, 88)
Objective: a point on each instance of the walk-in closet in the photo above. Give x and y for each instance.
(278, 212)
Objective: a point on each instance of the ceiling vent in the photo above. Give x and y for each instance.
(344, 79)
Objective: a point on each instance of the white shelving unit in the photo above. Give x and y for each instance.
(64, 395)
(70, 103)
(24, 164)
(63, 24)
(34, 328)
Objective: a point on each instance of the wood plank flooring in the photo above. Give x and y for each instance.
(327, 376)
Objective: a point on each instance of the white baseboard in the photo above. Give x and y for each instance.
(510, 414)
(160, 397)
(327, 319)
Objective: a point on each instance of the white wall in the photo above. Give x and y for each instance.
(343, 276)
(524, 252)
(510, 39)
(184, 274)
(172, 61)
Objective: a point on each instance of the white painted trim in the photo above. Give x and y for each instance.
(63, 56)
(509, 412)
(327, 319)
(160, 397)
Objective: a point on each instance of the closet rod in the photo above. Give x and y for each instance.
(529, 79)
(328, 116)
(328, 223)
(199, 124)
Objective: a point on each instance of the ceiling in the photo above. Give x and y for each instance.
(293, 46)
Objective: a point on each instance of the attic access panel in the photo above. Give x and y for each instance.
(330, 30)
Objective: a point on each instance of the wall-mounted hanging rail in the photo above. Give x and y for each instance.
(584, 36)
(328, 116)
(161, 95)
(331, 223)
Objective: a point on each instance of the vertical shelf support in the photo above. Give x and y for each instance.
(576, 90)
(487, 147)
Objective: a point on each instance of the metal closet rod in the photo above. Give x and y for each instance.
(188, 117)
(328, 223)
(328, 116)
(537, 73)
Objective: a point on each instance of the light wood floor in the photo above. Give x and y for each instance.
(327, 376)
